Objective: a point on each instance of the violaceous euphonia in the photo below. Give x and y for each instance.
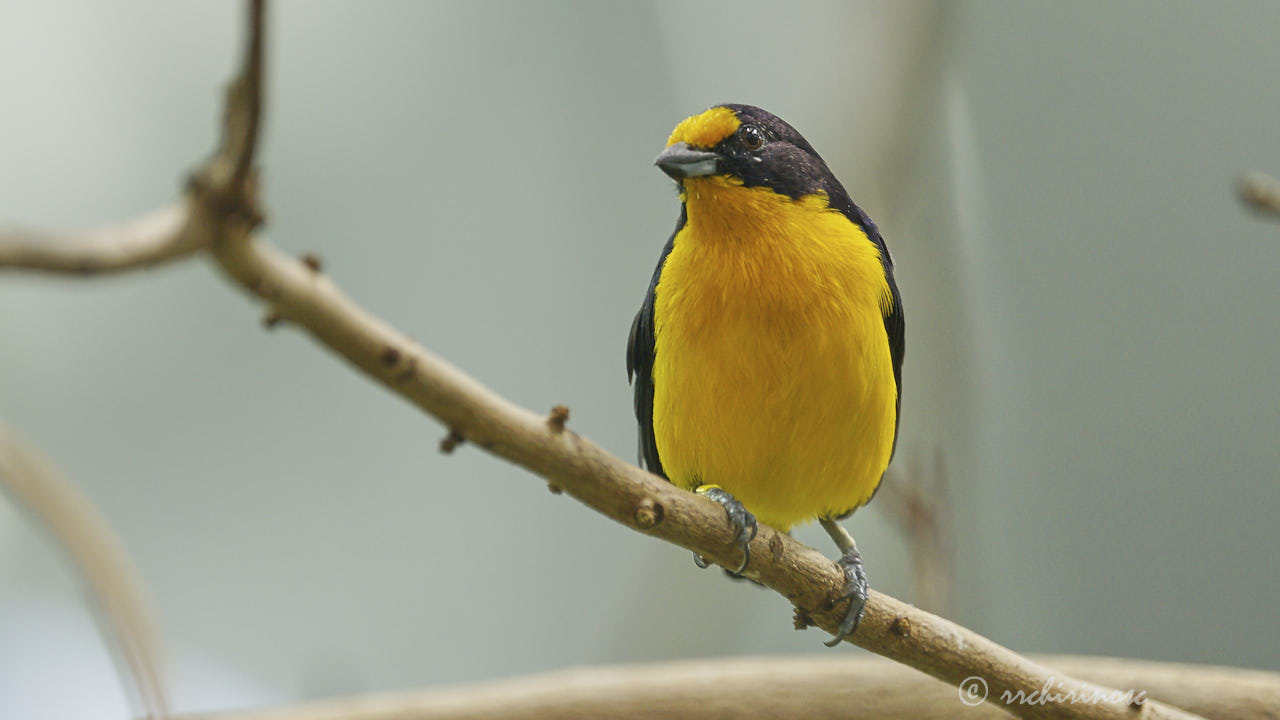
(767, 355)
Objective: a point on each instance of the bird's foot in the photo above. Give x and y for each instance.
(855, 585)
(743, 523)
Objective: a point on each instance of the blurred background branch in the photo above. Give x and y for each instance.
(115, 592)
(777, 688)
(1261, 193)
(917, 499)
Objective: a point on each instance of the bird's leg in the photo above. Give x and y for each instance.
(743, 523)
(854, 577)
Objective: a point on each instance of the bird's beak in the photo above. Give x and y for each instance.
(681, 161)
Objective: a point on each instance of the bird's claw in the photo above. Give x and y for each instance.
(855, 592)
(742, 521)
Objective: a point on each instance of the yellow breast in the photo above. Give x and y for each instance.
(772, 373)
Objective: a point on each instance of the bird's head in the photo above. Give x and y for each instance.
(744, 145)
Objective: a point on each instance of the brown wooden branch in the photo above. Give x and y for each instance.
(99, 559)
(223, 188)
(164, 235)
(774, 688)
(244, 106)
(223, 202)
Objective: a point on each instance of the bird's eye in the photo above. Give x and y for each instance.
(752, 137)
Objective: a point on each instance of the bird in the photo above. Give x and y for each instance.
(766, 358)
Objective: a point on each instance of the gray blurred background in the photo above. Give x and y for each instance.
(1093, 326)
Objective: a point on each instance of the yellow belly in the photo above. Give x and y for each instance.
(772, 372)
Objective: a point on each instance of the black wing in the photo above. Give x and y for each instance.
(895, 327)
(640, 349)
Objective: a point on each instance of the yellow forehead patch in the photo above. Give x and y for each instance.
(707, 129)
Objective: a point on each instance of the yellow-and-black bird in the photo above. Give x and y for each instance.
(767, 356)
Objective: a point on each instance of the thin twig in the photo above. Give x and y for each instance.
(100, 559)
(244, 144)
(222, 190)
(149, 240)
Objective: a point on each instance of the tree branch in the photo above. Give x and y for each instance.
(160, 236)
(244, 106)
(101, 561)
(772, 688)
(223, 203)
(224, 188)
